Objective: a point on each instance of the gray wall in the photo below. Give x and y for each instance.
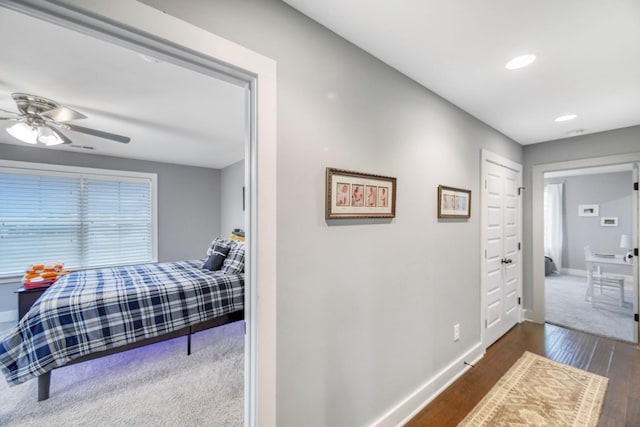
(231, 212)
(365, 308)
(612, 192)
(188, 201)
(619, 141)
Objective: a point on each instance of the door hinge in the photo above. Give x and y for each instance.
(518, 245)
(485, 184)
(520, 189)
(635, 251)
(519, 301)
(486, 324)
(635, 317)
(635, 186)
(485, 254)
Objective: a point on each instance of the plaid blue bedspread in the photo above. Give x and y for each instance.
(94, 310)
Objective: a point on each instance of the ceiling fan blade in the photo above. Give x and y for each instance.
(62, 136)
(62, 114)
(98, 133)
(13, 116)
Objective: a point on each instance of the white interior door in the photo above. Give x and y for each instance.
(501, 258)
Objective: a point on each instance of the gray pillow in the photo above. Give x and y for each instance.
(218, 253)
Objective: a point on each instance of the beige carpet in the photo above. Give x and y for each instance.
(565, 305)
(156, 386)
(537, 391)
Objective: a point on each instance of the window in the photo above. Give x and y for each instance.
(83, 217)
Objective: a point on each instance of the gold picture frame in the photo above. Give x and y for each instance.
(453, 202)
(359, 195)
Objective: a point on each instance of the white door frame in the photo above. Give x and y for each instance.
(636, 264)
(145, 29)
(488, 156)
(537, 226)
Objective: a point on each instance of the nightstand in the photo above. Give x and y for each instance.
(26, 298)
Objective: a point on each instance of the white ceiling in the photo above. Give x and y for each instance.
(170, 113)
(588, 56)
(588, 64)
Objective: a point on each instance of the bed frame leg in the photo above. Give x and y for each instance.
(189, 342)
(44, 381)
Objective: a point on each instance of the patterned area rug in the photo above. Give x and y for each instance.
(537, 391)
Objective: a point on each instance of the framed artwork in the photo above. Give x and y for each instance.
(359, 195)
(609, 221)
(453, 202)
(588, 210)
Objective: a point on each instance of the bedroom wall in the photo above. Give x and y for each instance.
(231, 212)
(612, 192)
(183, 233)
(618, 141)
(365, 308)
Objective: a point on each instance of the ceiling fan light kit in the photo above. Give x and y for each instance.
(40, 118)
(34, 134)
(24, 133)
(47, 136)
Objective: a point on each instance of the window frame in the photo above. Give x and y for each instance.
(49, 169)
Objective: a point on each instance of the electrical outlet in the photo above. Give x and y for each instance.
(456, 332)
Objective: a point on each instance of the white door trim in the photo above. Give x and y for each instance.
(135, 24)
(488, 156)
(636, 265)
(537, 224)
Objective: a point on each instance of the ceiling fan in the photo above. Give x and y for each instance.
(41, 119)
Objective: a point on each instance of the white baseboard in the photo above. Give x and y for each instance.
(529, 315)
(409, 407)
(9, 316)
(574, 272)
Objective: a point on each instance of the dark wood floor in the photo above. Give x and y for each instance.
(618, 361)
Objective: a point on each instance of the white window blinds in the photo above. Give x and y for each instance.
(84, 220)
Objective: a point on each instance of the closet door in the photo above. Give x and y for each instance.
(501, 257)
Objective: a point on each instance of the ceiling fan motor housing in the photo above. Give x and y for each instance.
(32, 104)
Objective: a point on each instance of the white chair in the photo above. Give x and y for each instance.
(595, 276)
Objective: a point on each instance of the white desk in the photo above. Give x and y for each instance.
(617, 260)
(595, 260)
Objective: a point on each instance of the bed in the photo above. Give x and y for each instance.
(549, 266)
(92, 313)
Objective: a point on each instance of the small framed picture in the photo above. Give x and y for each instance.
(588, 210)
(359, 195)
(609, 221)
(453, 202)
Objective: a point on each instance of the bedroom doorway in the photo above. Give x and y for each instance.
(537, 255)
(151, 32)
(588, 228)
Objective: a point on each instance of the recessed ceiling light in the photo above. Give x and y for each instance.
(565, 118)
(520, 61)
